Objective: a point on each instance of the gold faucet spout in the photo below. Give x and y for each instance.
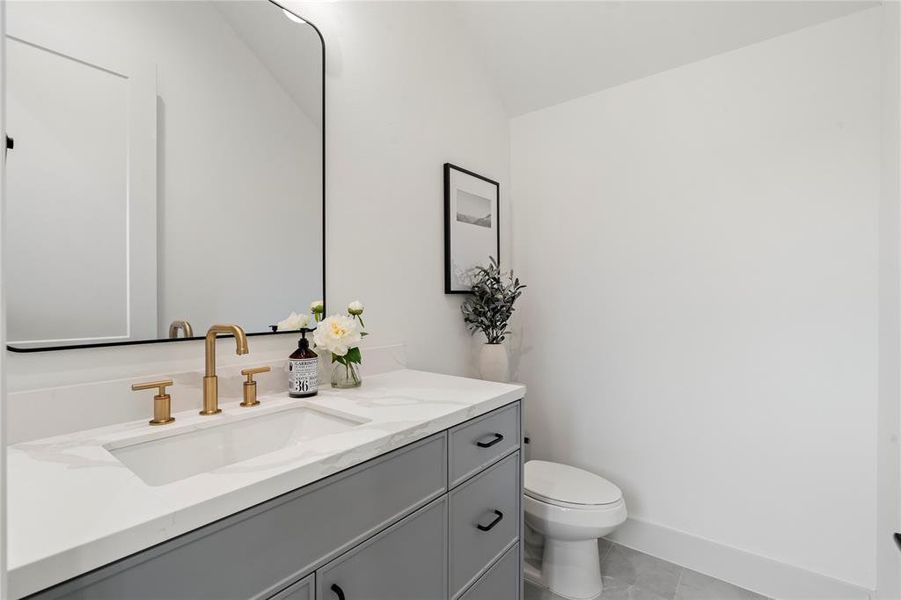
(240, 341)
(210, 380)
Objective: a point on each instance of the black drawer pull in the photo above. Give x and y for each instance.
(497, 437)
(490, 526)
(338, 591)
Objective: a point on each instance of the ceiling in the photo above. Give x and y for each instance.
(290, 51)
(542, 53)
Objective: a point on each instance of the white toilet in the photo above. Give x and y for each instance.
(571, 509)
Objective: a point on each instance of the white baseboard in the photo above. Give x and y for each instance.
(759, 574)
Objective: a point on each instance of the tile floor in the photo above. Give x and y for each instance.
(632, 575)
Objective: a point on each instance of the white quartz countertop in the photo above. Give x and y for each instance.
(73, 507)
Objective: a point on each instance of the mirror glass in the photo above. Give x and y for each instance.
(166, 169)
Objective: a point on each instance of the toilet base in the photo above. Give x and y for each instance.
(572, 569)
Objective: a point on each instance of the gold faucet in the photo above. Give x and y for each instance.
(210, 381)
(185, 326)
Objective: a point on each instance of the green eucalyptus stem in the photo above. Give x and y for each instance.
(490, 306)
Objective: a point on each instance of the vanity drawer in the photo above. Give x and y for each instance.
(305, 589)
(484, 520)
(256, 552)
(503, 581)
(408, 561)
(478, 443)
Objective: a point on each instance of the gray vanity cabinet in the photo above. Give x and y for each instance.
(438, 519)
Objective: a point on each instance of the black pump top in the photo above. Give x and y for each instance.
(303, 343)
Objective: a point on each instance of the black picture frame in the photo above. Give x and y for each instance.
(451, 286)
(23, 350)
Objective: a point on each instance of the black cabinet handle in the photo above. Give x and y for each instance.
(338, 591)
(497, 437)
(497, 519)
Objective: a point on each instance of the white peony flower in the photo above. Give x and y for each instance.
(355, 308)
(337, 334)
(293, 322)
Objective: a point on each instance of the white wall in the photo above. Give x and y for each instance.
(701, 324)
(403, 98)
(405, 95)
(888, 559)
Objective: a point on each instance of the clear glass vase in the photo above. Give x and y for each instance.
(346, 376)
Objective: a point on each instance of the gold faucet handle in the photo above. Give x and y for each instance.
(162, 384)
(162, 402)
(249, 373)
(250, 386)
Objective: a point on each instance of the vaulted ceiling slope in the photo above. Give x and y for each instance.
(290, 51)
(546, 52)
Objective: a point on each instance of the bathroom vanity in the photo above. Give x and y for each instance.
(416, 495)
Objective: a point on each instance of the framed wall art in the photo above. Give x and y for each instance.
(471, 226)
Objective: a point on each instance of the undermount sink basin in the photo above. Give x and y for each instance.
(179, 456)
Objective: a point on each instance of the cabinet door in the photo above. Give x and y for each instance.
(501, 582)
(484, 521)
(408, 561)
(304, 589)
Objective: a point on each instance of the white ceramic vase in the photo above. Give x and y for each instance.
(493, 363)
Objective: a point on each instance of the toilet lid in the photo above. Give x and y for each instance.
(554, 482)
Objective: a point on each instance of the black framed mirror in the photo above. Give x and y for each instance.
(168, 170)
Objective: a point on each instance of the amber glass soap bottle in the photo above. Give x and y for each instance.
(303, 369)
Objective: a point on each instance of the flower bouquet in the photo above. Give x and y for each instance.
(339, 335)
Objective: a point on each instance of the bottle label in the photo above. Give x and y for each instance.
(303, 375)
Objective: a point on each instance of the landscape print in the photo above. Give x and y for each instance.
(471, 226)
(473, 209)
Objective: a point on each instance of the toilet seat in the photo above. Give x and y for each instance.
(572, 506)
(568, 487)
